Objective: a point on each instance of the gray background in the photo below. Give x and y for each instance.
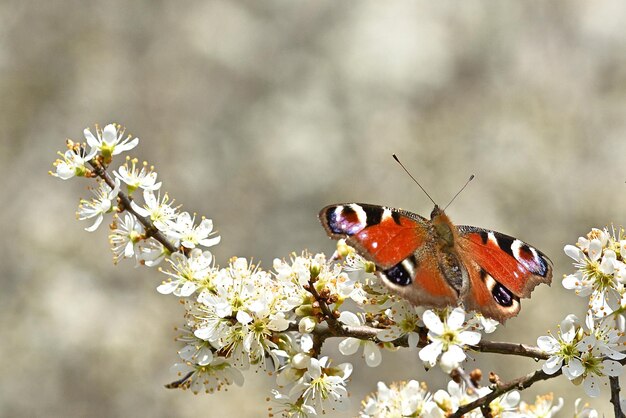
(257, 114)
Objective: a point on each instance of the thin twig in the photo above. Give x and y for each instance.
(614, 382)
(178, 383)
(365, 332)
(519, 383)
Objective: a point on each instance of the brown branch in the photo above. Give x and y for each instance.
(617, 408)
(500, 389)
(511, 348)
(180, 382)
(365, 332)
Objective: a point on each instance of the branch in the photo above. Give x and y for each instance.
(180, 382)
(614, 382)
(365, 332)
(500, 389)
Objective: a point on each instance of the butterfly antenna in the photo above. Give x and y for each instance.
(413, 178)
(459, 192)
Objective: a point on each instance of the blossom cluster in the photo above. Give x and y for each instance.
(412, 399)
(241, 316)
(600, 261)
(587, 352)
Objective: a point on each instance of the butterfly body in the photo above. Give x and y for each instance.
(434, 263)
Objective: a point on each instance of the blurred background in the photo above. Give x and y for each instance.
(257, 114)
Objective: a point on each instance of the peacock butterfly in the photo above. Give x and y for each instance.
(435, 263)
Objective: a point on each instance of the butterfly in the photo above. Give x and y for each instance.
(435, 263)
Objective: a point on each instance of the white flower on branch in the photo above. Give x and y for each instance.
(191, 235)
(457, 395)
(241, 308)
(600, 271)
(594, 367)
(98, 206)
(159, 211)
(195, 351)
(297, 357)
(74, 162)
(292, 408)
(151, 252)
(125, 236)
(400, 399)
(135, 177)
(323, 386)
(350, 345)
(448, 337)
(562, 349)
(109, 141)
(406, 321)
(585, 356)
(188, 273)
(209, 377)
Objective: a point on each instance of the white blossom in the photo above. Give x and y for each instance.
(406, 322)
(188, 273)
(600, 271)
(135, 177)
(125, 237)
(100, 205)
(191, 235)
(448, 337)
(160, 211)
(74, 162)
(400, 399)
(109, 141)
(350, 345)
(323, 386)
(209, 377)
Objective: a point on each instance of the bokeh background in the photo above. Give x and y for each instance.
(257, 114)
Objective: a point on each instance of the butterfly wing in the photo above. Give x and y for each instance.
(399, 243)
(502, 269)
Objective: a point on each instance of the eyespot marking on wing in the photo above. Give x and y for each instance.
(503, 296)
(401, 274)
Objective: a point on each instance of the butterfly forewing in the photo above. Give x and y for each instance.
(382, 235)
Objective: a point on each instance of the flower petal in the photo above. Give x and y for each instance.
(591, 384)
(456, 318)
(373, 356)
(548, 344)
(552, 364)
(432, 322)
(430, 353)
(349, 346)
(470, 337)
